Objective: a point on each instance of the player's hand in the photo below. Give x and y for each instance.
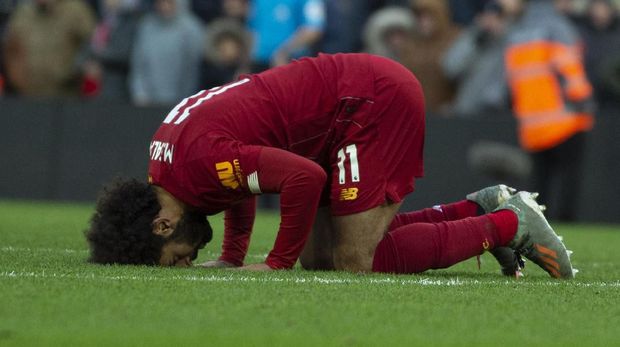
(219, 264)
(256, 267)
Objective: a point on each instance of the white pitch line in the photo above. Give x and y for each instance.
(421, 281)
(208, 253)
(396, 281)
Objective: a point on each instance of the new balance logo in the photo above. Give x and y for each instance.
(347, 194)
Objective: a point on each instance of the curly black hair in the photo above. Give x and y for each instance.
(121, 227)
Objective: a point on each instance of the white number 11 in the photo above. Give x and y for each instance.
(195, 100)
(351, 150)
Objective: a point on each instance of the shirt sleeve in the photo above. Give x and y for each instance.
(238, 224)
(241, 171)
(299, 182)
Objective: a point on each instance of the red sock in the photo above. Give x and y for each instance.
(440, 213)
(507, 223)
(419, 247)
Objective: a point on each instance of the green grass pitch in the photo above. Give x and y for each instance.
(49, 296)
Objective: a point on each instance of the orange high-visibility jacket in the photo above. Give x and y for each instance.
(546, 78)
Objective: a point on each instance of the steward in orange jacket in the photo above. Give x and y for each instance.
(552, 98)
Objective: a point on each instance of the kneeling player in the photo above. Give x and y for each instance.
(339, 134)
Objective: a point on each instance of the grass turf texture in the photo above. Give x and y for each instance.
(51, 296)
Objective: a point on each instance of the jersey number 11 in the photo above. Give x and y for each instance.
(351, 150)
(195, 100)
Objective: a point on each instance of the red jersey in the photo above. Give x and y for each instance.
(196, 153)
(207, 151)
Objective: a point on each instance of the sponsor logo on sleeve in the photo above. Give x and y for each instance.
(229, 173)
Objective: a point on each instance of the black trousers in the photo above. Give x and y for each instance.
(558, 176)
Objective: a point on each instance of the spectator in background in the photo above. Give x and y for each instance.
(43, 39)
(434, 34)
(388, 31)
(226, 54)
(106, 65)
(600, 31)
(284, 29)
(166, 56)
(476, 62)
(345, 20)
(552, 100)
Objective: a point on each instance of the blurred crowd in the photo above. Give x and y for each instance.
(154, 52)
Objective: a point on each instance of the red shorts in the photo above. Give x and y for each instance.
(379, 142)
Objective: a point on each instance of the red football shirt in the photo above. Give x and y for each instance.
(210, 147)
(280, 132)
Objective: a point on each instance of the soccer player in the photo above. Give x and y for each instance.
(340, 138)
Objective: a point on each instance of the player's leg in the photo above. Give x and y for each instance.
(438, 213)
(318, 251)
(357, 236)
(477, 204)
(418, 247)
(518, 224)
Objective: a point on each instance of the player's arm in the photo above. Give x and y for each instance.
(238, 224)
(299, 182)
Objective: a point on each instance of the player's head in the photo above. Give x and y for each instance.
(122, 228)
